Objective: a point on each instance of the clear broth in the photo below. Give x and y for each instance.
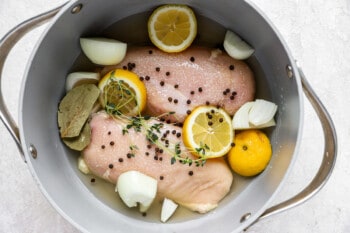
(210, 34)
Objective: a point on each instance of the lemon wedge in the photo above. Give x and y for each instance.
(172, 28)
(122, 93)
(207, 132)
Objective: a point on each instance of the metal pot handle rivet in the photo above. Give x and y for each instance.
(245, 217)
(33, 151)
(330, 149)
(76, 9)
(289, 71)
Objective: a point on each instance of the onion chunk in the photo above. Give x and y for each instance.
(103, 51)
(236, 47)
(255, 115)
(136, 188)
(168, 209)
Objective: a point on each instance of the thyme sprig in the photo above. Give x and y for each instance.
(153, 134)
(118, 98)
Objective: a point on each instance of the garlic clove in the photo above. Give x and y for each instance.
(82, 166)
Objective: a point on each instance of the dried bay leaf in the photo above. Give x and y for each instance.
(80, 142)
(75, 109)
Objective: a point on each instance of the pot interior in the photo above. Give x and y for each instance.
(95, 206)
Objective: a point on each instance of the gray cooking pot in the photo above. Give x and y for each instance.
(54, 166)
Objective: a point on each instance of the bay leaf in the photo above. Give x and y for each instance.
(75, 108)
(80, 142)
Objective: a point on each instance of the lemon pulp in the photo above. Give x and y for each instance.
(172, 28)
(208, 132)
(122, 93)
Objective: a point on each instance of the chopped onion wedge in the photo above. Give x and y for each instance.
(258, 114)
(136, 188)
(103, 51)
(241, 118)
(78, 78)
(82, 166)
(168, 209)
(236, 47)
(262, 112)
(267, 124)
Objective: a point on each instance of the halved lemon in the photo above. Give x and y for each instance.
(172, 28)
(207, 132)
(251, 153)
(122, 93)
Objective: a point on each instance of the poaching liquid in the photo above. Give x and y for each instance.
(133, 30)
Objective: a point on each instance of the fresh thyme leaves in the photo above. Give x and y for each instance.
(177, 157)
(153, 132)
(118, 97)
(112, 109)
(133, 147)
(201, 150)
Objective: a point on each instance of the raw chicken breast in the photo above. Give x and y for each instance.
(111, 153)
(197, 76)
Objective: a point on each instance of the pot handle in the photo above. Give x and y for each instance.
(6, 44)
(329, 155)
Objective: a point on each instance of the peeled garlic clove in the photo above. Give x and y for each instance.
(168, 209)
(262, 112)
(78, 78)
(241, 118)
(135, 187)
(103, 51)
(82, 166)
(236, 47)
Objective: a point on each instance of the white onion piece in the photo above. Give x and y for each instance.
(103, 51)
(262, 116)
(82, 166)
(262, 112)
(270, 123)
(236, 47)
(78, 78)
(168, 209)
(241, 118)
(136, 188)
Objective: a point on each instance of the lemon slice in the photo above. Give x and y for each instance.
(207, 131)
(172, 28)
(122, 93)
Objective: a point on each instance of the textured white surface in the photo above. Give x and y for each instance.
(317, 33)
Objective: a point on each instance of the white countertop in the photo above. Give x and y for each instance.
(318, 34)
